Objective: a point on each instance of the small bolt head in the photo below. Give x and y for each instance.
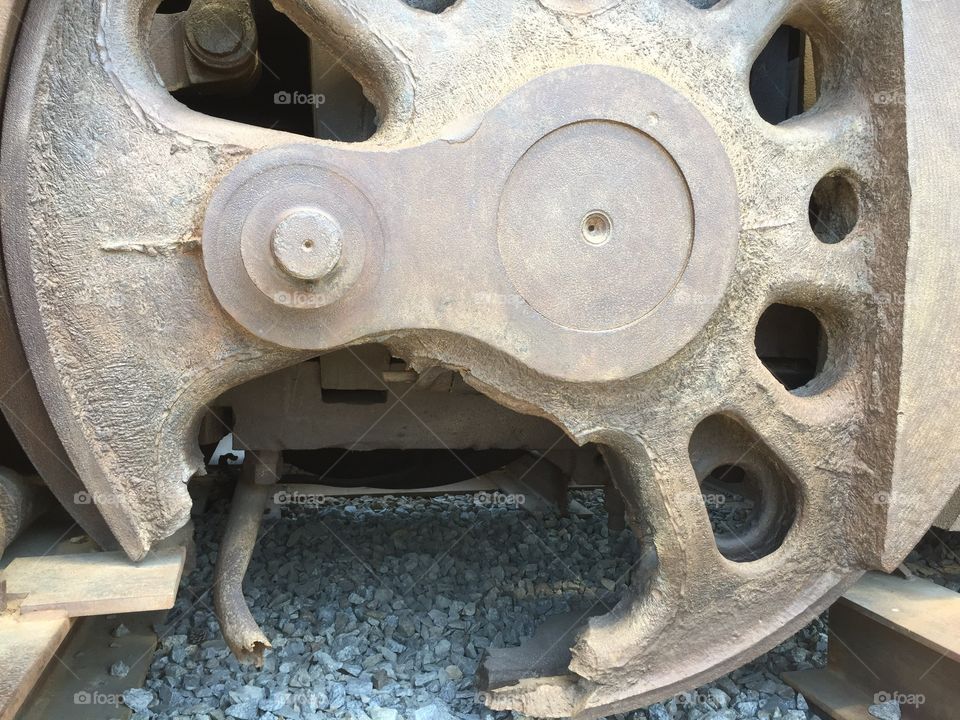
(215, 30)
(596, 228)
(307, 244)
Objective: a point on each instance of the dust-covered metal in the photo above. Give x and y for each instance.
(548, 175)
(20, 399)
(240, 630)
(576, 206)
(210, 47)
(21, 500)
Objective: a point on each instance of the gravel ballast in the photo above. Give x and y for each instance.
(381, 608)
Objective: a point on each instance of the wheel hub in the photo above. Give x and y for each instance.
(596, 225)
(307, 244)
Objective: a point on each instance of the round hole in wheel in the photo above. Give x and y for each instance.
(784, 79)
(431, 6)
(834, 208)
(792, 344)
(750, 498)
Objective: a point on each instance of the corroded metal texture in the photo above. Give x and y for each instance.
(20, 502)
(439, 268)
(578, 207)
(928, 406)
(240, 630)
(20, 399)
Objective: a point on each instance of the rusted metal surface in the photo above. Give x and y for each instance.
(925, 427)
(589, 234)
(458, 257)
(292, 409)
(21, 501)
(20, 400)
(891, 641)
(211, 47)
(254, 488)
(545, 655)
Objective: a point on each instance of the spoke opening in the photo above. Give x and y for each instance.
(784, 79)
(170, 7)
(252, 64)
(834, 207)
(792, 344)
(751, 500)
(432, 6)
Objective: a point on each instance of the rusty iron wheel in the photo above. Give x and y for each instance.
(576, 205)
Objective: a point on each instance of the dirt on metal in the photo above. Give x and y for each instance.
(575, 206)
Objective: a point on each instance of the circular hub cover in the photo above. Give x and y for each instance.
(591, 241)
(596, 225)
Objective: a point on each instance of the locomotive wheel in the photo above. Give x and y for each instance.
(576, 204)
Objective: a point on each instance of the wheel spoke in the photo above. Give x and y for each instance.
(682, 593)
(379, 42)
(666, 509)
(745, 26)
(139, 344)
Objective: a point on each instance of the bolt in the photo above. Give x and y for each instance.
(596, 228)
(215, 31)
(307, 244)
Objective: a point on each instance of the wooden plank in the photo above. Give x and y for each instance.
(26, 645)
(80, 687)
(831, 695)
(918, 609)
(96, 583)
(889, 638)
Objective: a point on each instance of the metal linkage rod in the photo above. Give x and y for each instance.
(240, 630)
